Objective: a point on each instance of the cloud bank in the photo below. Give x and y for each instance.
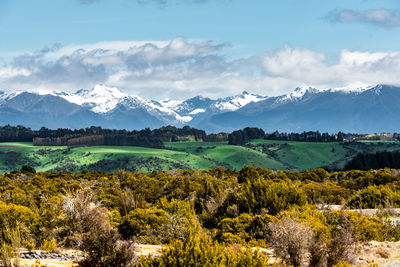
(384, 18)
(182, 68)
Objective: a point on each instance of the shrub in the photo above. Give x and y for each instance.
(367, 228)
(99, 242)
(261, 196)
(342, 247)
(342, 263)
(373, 197)
(200, 250)
(103, 248)
(245, 227)
(49, 245)
(290, 240)
(27, 169)
(6, 254)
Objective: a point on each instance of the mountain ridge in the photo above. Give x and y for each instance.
(358, 109)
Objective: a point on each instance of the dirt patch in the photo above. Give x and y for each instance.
(10, 146)
(381, 253)
(145, 250)
(363, 212)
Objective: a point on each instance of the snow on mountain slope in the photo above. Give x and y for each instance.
(170, 103)
(235, 102)
(4, 96)
(100, 99)
(197, 111)
(353, 88)
(300, 92)
(297, 94)
(110, 101)
(103, 99)
(200, 105)
(154, 108)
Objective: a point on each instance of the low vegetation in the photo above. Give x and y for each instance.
(211, 218)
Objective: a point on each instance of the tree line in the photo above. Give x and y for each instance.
(99, 136)
(378, 160)
(156, 137)
(241, 137)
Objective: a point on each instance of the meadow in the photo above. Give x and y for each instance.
(274, 155)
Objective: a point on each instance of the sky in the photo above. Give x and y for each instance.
(182, 48)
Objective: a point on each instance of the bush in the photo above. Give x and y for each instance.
(103, 248)
(342, 247)
(374, 197)
(27, 169)
(49, 245)
(99, 242)
(290, 240)
(330, 237)
(367, 228)
(200, 250)
(259, 197)
(6, 254)
(243, 228)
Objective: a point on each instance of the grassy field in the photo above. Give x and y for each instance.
(275, 155)
(226, 155)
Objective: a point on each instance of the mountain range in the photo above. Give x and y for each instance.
(360, 110)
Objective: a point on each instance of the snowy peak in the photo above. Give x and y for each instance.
(353, 88)
(236, 102)
(170, 103)
(153, 108)
(199, 104)
(100, 99)
(110, 101)
(8, 95)
(297, 94)
(192, 106)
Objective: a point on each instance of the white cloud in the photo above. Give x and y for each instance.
(183, 68)
(385, 18)
(311, 68)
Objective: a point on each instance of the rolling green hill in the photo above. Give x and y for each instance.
(276, 155)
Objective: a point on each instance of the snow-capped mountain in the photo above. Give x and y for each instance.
(7, 95)
(100, 99)
(236, 102)
(197, 105)
(353, 109)
(103, 100)
(298, 94)
(368, 110)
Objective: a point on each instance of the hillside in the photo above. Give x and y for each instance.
(275, 155)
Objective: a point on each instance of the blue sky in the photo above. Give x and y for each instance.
(214, 47)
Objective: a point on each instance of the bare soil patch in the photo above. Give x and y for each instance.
(381, 253)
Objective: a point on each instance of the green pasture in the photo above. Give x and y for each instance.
(275, 155)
